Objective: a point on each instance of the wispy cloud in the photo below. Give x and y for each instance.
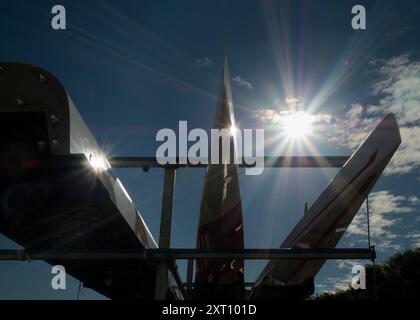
(269, 116)
(272, 117)
(289, 103)
(352, 128)
(347, 264)
(397, 90)
(385, 211)
(282, 109)
(203, 62)
(336, 283)
(242, 82)
(407, 157)
(414, 239)
(414, 199)
(399, 87)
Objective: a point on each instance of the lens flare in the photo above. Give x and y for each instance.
(98, 162)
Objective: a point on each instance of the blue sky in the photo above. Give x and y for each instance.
(134, 67)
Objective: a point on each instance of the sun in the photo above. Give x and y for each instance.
(297, 125)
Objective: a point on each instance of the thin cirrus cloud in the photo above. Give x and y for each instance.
(202, 62)
(242, 82)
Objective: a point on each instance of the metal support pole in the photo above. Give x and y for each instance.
(161, 287)
(368, 219)
(375, 286)
(190, 276)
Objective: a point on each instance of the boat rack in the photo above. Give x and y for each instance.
(164, 254)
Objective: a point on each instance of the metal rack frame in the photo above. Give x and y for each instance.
(165, 254)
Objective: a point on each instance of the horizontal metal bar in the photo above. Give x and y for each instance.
(258, 254)
(247, 284)
(25, 255)
(269, 162)
(182, 254)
